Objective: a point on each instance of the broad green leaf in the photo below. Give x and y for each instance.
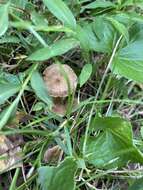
(58, 178)
(131, 53)
(58, 48)
(99, 4)
(3, 18)
(85, 74)
(11, 78)
(113, 146)
(105, 34)
(85, 35)
(137, 185)
(123, 18)
(136, 33)
(136, 17)
(59, 9)
(98, 35)
(129, 61)
(7, 90)
(119, 27)
(128, 19)
(39, 88)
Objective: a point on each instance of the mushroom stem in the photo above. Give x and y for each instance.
(58, 100)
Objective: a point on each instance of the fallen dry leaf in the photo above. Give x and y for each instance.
(10, 155)
(10, 151)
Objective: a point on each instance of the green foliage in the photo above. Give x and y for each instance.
(96, 36)
(137, 185)
(128, 61)
(6, 77)
(9, 39)
(102, 41)
(58, 48)
(99, 4)
(38, 19)
(38, 106)
(85, 74)
(39, 88)
(114, 146)
(61, 11)
(119, 27)
(20, 3)
(7, 90)
(8, 112)
(60, 177)
(4, 18)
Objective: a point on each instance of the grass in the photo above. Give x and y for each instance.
(101, 136)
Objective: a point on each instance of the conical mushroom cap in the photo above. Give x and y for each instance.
(56, 82)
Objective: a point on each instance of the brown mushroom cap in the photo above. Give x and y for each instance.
(52, 154)
(55, 80)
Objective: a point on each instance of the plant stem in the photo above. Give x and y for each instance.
(108, 67)
(13, 184)
(37, 35)
(97, 94)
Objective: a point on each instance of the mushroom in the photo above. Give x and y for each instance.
(59, 107)
(60, 80)
(52, 153)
